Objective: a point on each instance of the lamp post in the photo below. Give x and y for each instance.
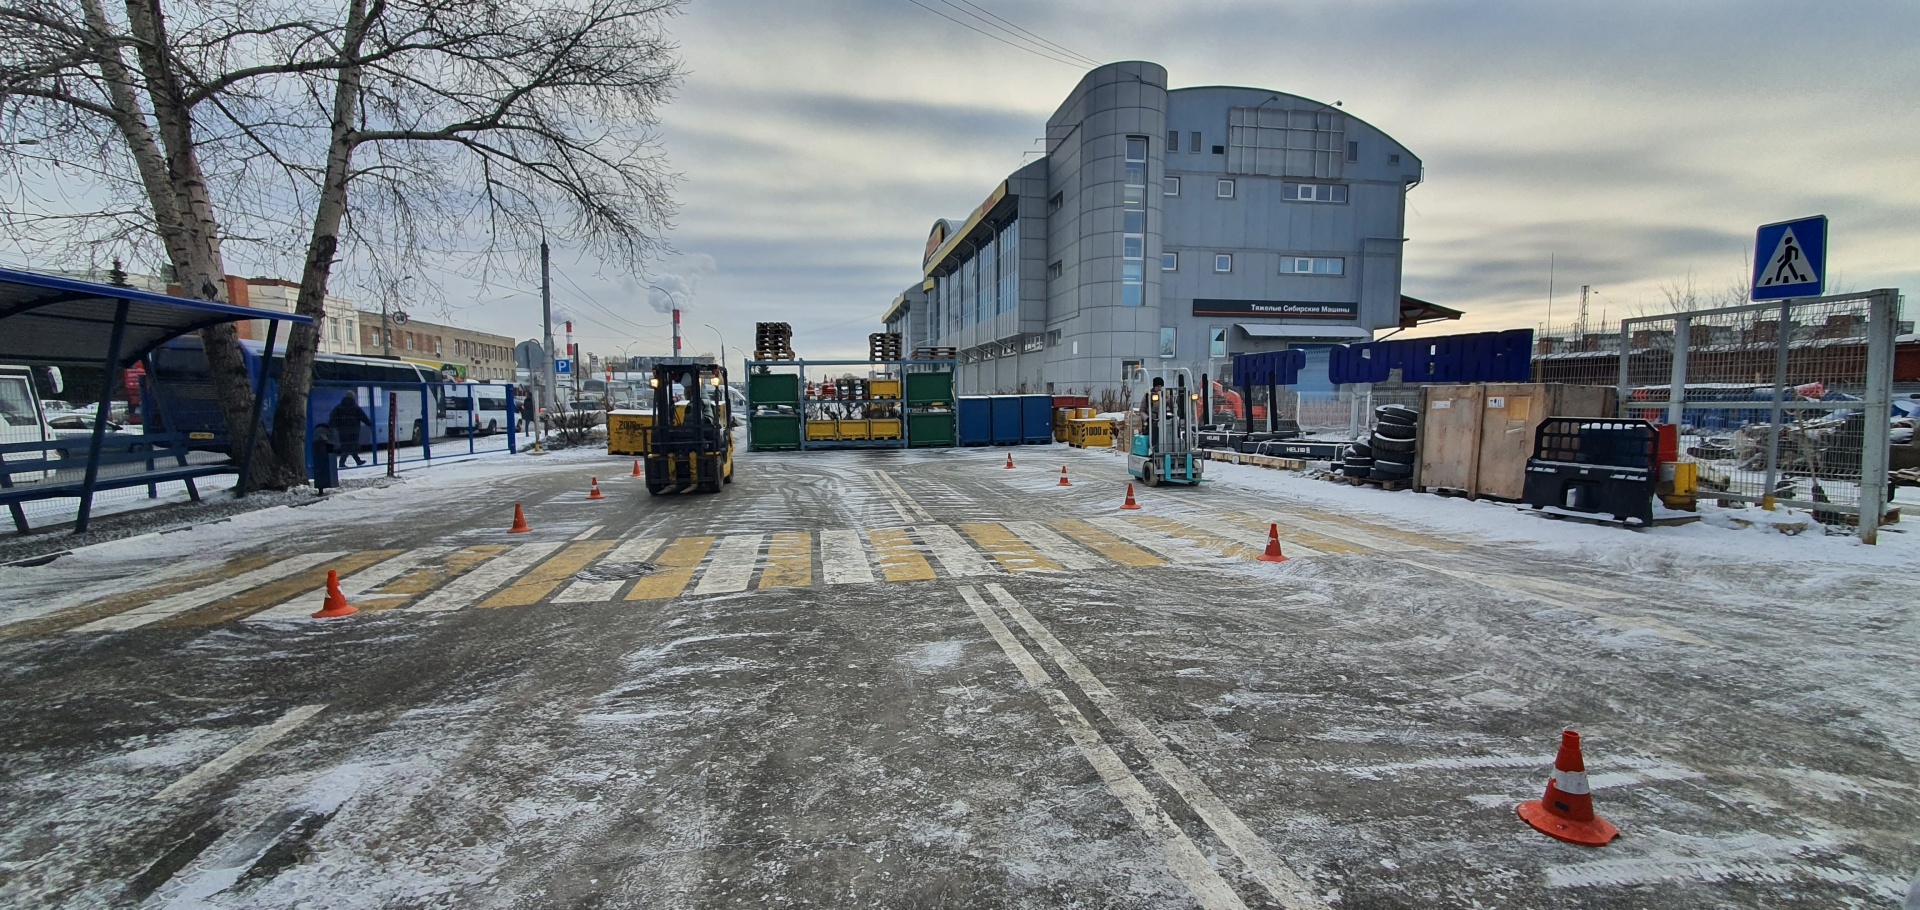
(723, 342)
(676, 317)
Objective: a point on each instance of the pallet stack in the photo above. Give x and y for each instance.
(773, 341)
(934, 353)
(885, 347)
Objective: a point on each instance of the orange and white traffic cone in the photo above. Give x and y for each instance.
(1273, 553)
(593, 492)
(1063, 477)
(519, 521)
(636, 467)
(1129, 505)
(336, 603)
(1009, 461)
(1566, 811)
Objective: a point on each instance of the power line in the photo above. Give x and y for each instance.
(1051, 45)
(1060, 60)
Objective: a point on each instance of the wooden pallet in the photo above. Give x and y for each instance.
(1391, 486)
(1263, 461)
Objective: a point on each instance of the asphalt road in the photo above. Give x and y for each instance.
(923, 680)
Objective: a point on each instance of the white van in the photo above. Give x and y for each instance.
(489, 408)
(21, 417)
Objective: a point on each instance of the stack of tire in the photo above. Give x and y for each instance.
(1396, 434)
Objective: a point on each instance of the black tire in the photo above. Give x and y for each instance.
(1397, 412)
(493, 426)
(1146, 476)
(1361, 463)
(1392, 470)
(1386, 430)
(1352, 471)
(656, 488)
(1383, 446)
(417, 432)
(1362, 449)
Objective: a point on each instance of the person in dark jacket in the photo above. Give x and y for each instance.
(345, 421)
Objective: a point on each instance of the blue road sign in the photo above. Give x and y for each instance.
(563, 366)
(1790, 259)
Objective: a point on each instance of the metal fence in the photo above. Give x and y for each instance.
(1783, 403)
(418, 421)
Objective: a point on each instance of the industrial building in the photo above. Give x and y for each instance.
(1169, 228)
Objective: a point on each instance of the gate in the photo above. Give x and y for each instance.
(1783, 403)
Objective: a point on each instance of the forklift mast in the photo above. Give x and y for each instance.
(697, 423)
(1169, 417)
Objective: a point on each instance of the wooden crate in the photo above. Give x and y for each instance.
(1476, 439)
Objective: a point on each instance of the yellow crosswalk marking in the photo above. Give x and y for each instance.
(399, 591)
(1013, 554)
(1106, 544)
(121, 603)
(900, 559)
(677, 564)
(1216, 543)
(1295, 534)
(267, 595)
(543, 578)
(789, 561)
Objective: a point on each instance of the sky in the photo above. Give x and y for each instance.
(1629, 146)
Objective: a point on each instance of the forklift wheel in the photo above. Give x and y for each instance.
(656, 488)
(1146, 476)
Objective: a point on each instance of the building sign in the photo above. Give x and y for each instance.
(1308, 309)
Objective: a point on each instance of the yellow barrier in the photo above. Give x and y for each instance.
(628, 432)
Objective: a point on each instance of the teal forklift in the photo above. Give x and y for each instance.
(1163, 450)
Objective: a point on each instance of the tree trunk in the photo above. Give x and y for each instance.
(290, 412)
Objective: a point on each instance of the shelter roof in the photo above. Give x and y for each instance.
(53, 320)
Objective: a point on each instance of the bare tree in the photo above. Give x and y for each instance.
(385, 129)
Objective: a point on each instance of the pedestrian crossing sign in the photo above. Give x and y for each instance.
(1790, 259)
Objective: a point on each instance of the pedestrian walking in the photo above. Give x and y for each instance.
(345, 421)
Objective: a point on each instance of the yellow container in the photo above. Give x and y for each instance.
(855, 430)
(883, 388)
(821, 430)
(628, 432)
(1089, 432)
(1060, 418)
(885, 428)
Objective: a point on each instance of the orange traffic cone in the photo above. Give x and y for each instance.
(1063, 477)
(519, 521)
(594, 491)
(1129, 504)
(1273, 553)
(336, 604)
(1566, 811)
(1009, 461)
(636, 467)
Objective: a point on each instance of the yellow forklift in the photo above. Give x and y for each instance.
(690, 448)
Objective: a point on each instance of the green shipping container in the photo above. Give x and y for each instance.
(773, 432)
(773, 389)
(930, 390)
(927, 431)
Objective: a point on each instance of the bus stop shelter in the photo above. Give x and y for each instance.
(47, 320)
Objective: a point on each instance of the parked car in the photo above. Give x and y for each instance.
(78, 428)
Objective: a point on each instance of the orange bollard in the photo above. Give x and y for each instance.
(636, 467)
(1009, 461)
(1063, 476)
(1566, 811)
(336, 603)
(594, 491)
(519, 521)
(1273, 553)
(1129, 504)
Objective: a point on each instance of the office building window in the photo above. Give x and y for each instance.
(1393, 159)
(1169, 186)
(1223, 189)
(1136, 183)
(1133, 250)
(1055, 269)
(333, 331)
(1223, 262)
(1313, 265)
(1054, 202)
(1353, 150)
(1168, 339)
(1217, 341)
(1173, 140)
(1193, 141)
(1169, 262)
(1313, 192)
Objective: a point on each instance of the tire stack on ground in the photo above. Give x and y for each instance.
(1396, 434)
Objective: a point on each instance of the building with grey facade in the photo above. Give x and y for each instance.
(1169, 228)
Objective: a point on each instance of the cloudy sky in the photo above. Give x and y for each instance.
(1633, 144)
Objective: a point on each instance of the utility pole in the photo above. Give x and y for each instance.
(546, 324)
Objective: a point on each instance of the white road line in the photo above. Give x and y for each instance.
(731, 567)
(248, 747)
(901, 492)
(1657, 627)
(1141, 537)
(1286, 887)
(352, 586)
(886, 492)
(635, 550)
(200, 597)
(480, 581)
(843, 559)
(93, 593)
(1188, 863)
(588, 533)
(955, 555)
(1069, 555)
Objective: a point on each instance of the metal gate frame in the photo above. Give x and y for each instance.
(1883, 313)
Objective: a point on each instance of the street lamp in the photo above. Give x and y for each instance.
(723, 343)
(676, 316)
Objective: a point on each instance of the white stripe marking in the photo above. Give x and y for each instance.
(588, 533)
(352, 586)
(480, 581)
(731, 567)
(636, 550)
(1055, 547)
(190, 600)
(1281, 882)
(1141, 537)
(900, 494)
(248, 747)
(92, 593)
(955, 554)
(1188, 863)
(843, 559)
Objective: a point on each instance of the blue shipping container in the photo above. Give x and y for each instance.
(1008, 427)
(1037, 419)
(976, 420)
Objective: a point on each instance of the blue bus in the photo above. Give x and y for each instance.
(179, 394)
